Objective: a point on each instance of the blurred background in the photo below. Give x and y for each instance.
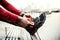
(36, 4)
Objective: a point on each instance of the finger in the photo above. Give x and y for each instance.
(31, 26)
(31, 23)
(28, 16)
(29, 19)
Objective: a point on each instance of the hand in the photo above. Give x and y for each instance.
(30, 18)
(24, 21)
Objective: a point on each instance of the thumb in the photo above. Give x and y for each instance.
(31, 23)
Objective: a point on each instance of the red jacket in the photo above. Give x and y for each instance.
(6, 15)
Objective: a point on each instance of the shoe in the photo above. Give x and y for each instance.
(39, 21)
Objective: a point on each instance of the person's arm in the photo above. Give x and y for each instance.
(8, 16)
(10, 7)
(13, 18)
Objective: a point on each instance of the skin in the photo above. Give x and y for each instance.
(25, 20)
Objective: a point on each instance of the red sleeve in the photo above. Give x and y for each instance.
(8, 16)
(9, 7)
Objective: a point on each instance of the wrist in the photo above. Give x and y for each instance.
(18, 21)
(22, 14)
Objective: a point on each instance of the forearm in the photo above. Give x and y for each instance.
(10, 7)
(8, 16)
